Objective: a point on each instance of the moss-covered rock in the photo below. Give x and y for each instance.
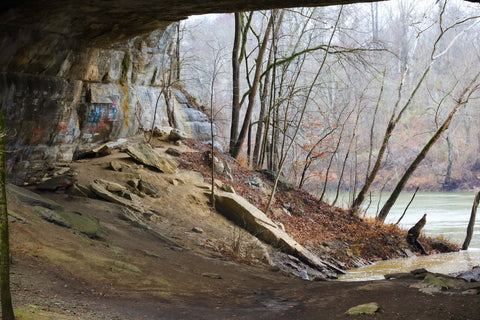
(53, 212)
(367, 308)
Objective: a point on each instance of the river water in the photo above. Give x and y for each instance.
(447, 216)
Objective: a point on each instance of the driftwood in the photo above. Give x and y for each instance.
(414, 233)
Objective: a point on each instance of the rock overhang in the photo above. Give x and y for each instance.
(105, 22)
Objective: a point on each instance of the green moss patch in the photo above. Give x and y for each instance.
(32, 312)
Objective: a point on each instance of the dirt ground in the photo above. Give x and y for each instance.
(129, 272)
(172, 284)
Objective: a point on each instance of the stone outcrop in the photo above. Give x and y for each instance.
(62, 100)
(247, 216)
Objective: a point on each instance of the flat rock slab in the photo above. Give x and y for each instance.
(145, 154)
(31, 198)
(249, 217)
(53, 212)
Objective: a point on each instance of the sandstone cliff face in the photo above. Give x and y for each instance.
(60, 96)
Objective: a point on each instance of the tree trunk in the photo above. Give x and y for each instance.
(6, 298)
(471, 223)
(235, 151)
(371, 177)
(235, 81)
(263, 109)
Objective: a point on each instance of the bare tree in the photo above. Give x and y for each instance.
(286, 148)
(472, 87)
(6, 298)
(436, 52)
(253, 91)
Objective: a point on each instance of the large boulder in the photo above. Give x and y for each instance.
(247, 216)
(146, 155)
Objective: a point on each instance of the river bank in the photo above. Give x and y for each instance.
(448, 213)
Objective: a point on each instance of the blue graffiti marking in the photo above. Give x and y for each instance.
(94, 112)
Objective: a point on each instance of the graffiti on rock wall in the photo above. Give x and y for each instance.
(36, 135)
(112, 113)
(94, 112)
(99, 120)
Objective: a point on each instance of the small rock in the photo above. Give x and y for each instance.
(128, 215)
(197, 230)
(399, 275)
(79, 190)
(286, 212)
(116, 165)
(151, 216)
(103, 151)
(304, 275)
(471, 275)
(256, 182)
(56, 183)
(228, 188)
(132, 169)
(471, 291)
(147, 188)
(110, 186)
(61, 171)
(176, 135)
(211, 275)
(409, 253)
(174, 152)
(160, 132)
(368, 308)
(133, 183)
(228, 171)
(106, 149)
(130, 196)
(218, 165)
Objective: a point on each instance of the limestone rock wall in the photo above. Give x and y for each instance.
(60, 96)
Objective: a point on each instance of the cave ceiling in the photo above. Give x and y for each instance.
(107, 21)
